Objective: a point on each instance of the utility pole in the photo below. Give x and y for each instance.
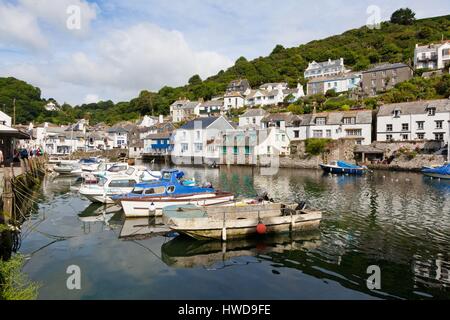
(14, 111)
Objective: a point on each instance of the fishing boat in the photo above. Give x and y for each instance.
(341, 167)
(90, 164)
(148, 199)
(100, 188)
(237, 221)
(442, 172)
(68, 169)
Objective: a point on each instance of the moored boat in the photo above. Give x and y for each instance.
(68, 169)
(442, 172)
(147, 199)
(236, 221)
(341, 167)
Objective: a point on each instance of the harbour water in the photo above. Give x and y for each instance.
(397, 221)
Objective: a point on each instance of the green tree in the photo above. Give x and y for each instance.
(195, 80)
(404, 16)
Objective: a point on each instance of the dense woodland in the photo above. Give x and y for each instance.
(393, 42)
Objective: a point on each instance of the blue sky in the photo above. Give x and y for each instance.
(123, 47)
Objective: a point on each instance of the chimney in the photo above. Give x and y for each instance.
(161, 118)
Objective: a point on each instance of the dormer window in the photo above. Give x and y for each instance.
(349, 120)
(321, 121)
(397, 113)
(431, 112)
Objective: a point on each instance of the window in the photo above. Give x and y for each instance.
(354, 133)
(439, 124)
(349, 120)
(405, 127)
(183, 135)
(184, 147)
(439, 136)
(420, 125)
(171, 189)
(374, 83)
(296, 134)
(283, 138)
(198, 135)
(269, 149)
(224, 150)
(254, 120)
(321, 121)
(389, 137)
(405, 137)
(397, 113)
(328, 133)
(421, 136)
(247, 150)
(389, 128)
(235, 150)
(432, 112)
(157, 190)
(198, 147)
(122, 184)
(317, 133)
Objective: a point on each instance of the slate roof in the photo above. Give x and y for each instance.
(212, 103)
(204, 123)
(416, 107)
(336, 118)
(387, 66)
(254, 113)
(289, 118)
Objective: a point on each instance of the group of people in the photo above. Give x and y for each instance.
(24, 153)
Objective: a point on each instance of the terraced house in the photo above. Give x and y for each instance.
(414, 121)
(184, 109)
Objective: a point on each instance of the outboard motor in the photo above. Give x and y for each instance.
(207, 185)
(301, 206)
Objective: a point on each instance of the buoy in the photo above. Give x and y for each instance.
(261, 228)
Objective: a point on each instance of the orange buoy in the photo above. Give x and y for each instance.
(261, 228)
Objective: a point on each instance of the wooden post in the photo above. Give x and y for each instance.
(8, 198)
(22, 166)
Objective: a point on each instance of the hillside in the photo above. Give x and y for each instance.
(359, 47)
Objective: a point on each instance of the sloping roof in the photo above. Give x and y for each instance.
(431, 46)
(368, 150)
(233, 94)
(200, 123)
(343, 76)
(416, 107)
(289, 118)
(117, 130)
(274, 84)
(387, 66)
(254, 113)
(324, 64)
(336, 118)
(163, 135)
(212, 103)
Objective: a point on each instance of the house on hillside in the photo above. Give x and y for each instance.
(414, 121)
(341, 83)
(287, 122)
(158, 144)
(384, 77)
(182, 110)
(119, 137)
(233, 100)
(241, 86)
(213, 108)
(252, 118)
(432, 56)
(325, 69)
(195, 142)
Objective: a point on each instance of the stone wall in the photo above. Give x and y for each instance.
(402, 163)
(391, 147)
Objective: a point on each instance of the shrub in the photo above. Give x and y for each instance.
(316, 146)
(14, 284)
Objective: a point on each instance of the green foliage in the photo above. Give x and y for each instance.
(316, 146)
(296, 109)
(403, 16)
(14, 285)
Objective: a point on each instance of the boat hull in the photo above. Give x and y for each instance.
(338, 170)
(438, 176)
(135, 208)
(206, 229)
(97, 196)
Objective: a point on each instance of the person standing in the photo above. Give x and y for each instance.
(1, 158)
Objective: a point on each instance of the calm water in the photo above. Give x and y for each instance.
(398, 221)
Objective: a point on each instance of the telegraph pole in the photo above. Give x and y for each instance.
(14, 111)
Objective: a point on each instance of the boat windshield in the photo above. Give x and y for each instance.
(130, 171)
(166, 175)
(117, 168)
(101, 181)
(138, 190)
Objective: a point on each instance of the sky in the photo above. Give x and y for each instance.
(82, 51)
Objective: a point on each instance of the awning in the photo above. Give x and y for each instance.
(9, 132)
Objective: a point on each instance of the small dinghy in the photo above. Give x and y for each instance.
(239, 220)
(442, 172)
(341, 167)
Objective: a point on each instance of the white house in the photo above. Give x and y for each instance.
(340, 83)
(149, 121)
(409, 121)
(233, 100)
(432, 56)
(294, 94)
(325, 69)
(211, 108)
(119, 137)
(261, 97)
(336, 125)
(286, 122)
(182, 110)
(195, 142)
(252, 118)
(51, 106)
(5, 119)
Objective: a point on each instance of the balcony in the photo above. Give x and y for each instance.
(433, 57)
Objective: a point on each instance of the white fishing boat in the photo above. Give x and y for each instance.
(105, 186)
(235, 221)
(68, 168)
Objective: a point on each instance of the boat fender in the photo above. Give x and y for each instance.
(261, 228)
(224, 234)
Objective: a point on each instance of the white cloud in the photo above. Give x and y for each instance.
(91, 98)
(18, 27)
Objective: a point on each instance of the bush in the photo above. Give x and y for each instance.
(316, 146)
(14, 285)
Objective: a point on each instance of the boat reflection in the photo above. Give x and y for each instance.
(184, 252)
(143, 228)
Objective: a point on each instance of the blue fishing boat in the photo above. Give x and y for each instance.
(150, 198)
(442, 172)
(341, 167)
